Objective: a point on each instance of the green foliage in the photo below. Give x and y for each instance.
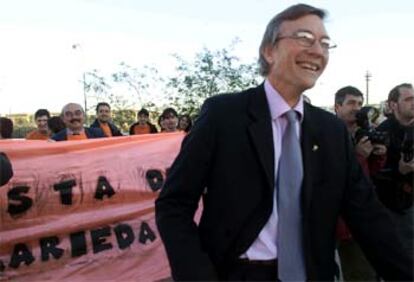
(210, 73)
(140, 81)
(123, 118)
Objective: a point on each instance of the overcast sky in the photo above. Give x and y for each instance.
(39, 68)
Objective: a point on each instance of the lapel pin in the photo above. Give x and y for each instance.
(315, 148)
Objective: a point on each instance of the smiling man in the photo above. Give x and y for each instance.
(274, 174)
(42, 132)
(104, 120)
(73, 117)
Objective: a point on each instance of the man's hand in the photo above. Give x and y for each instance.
(379, 149)
(364, 147)
(405, 167)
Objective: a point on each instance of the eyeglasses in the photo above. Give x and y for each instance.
(308, 39)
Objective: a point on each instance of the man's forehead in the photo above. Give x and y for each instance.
(406, 92)
(72, 107)
(104, 108)
(350, 97)
(311, 23)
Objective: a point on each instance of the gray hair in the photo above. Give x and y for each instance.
(272, 30)
(70, 104)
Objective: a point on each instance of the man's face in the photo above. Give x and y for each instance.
(184, 122)
(294, 67)
(41, 123)
(104, 113)
(73, 117)
(404, 108)
(170, 122)
(143, 119)
(349, 108)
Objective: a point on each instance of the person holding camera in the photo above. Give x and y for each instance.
(395, 181)
(370, 144)
(371, 155)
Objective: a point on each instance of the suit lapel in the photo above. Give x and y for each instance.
(260, 131)
(310, 154)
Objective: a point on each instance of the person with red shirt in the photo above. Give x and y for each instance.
(143, 125)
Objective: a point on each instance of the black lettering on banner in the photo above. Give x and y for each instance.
(155, 179)
(48, 247)
(78, 243)
(65, 189)
(25, 202)
(103, 188)
(124, 235)
(99, 241)
(21, 254)
(145, 233)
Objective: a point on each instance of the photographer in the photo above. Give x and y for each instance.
(395, 181)
(370, 151)
(370, 144)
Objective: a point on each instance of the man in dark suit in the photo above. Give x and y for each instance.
(274, 174)
(73, 117)
(103, 120)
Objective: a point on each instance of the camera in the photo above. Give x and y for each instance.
(364, 119)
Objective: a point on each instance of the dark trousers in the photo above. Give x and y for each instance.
(245, 270)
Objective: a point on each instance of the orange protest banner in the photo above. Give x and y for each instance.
(84, 210)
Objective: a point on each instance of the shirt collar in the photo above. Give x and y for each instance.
(278, 105)
(70, 132)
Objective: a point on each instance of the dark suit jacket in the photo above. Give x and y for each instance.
(115, 131)
(90, 133)
(228, 160)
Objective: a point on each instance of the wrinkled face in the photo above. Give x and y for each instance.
(41, 123)
(349, 108)
(184, 122)
(404, 108)
(170, 122)
(293, 66)
(103, 114)
(73, 117)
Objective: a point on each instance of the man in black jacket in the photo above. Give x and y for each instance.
(73, 117)
(103, 120)
(396, 180)
(246, 157)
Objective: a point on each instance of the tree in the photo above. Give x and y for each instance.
(210, 73)
(143, 82)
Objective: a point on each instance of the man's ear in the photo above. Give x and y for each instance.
(336, 107)
(267, 53)
(393, 106)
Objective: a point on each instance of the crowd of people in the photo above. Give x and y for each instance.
(70, 124)
(285, 185)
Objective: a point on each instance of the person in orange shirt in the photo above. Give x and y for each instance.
(103, 120)
(170, 120)
(143, 125)
(73, 116)
(42, 132)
